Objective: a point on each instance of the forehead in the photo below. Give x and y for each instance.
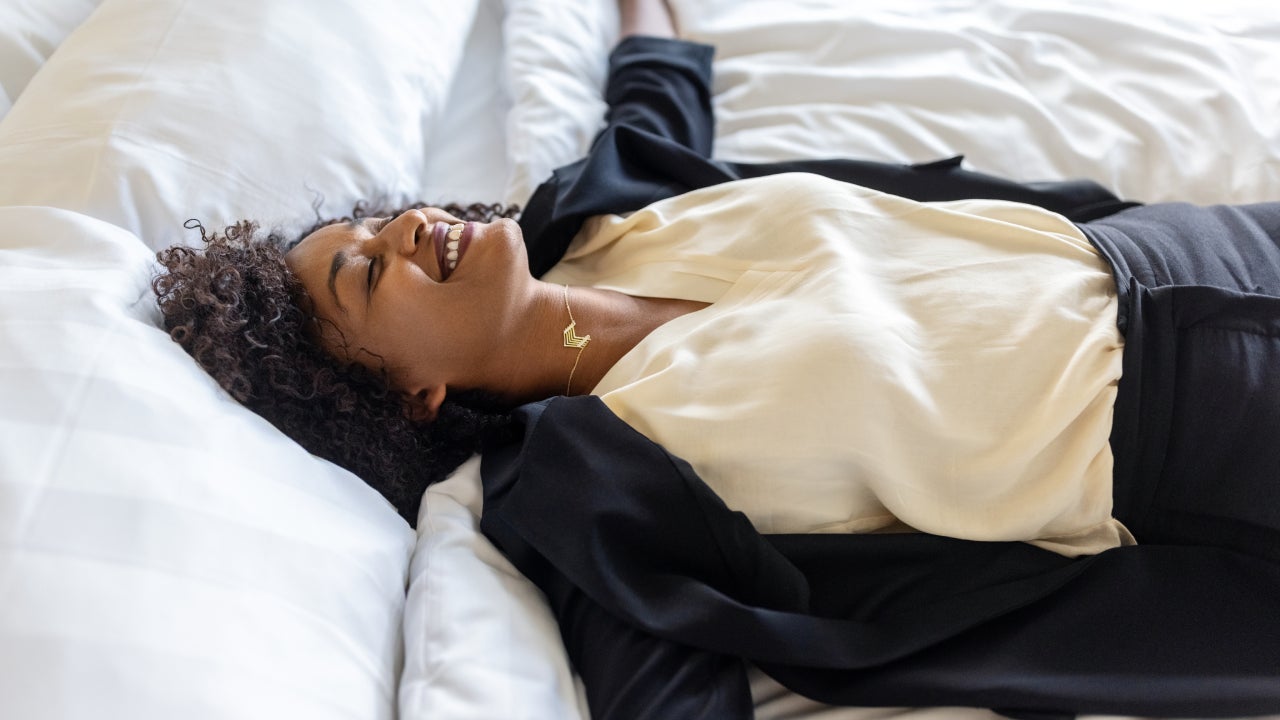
(314, 252)
(335, 232)
(315, 261)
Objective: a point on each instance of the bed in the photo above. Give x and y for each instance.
(165, 553)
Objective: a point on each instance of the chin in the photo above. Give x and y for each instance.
(514, 239)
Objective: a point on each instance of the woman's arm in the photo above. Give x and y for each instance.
(645, 17)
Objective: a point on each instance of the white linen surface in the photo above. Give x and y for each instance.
(163, 551)
(480, 640)
(555, 70)
(1157, 100)
(30, 31)
(1161, 101)
(234, 109)
(467, 151)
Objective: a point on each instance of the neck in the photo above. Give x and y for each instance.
(616, 322)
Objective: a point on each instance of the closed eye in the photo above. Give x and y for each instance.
(375, 227)
(375, 263)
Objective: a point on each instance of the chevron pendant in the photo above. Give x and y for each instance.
(571, 339)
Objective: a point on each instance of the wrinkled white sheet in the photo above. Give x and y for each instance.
(1159, 101)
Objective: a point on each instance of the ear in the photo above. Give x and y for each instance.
(423, 405)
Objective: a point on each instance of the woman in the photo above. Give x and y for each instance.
(828, 358)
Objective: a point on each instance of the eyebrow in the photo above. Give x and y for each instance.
(339, 260)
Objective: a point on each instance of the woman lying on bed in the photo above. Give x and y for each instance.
(845, 348)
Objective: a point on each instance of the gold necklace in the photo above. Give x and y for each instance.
(571, 340)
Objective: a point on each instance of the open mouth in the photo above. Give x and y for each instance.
(450, 243)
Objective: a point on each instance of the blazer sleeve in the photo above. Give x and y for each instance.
(656, 143)
(662, 87)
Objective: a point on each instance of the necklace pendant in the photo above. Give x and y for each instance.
(571, 339)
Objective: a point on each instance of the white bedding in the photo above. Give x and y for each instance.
(30, 31)
(164, 553)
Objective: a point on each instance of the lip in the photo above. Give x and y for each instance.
(439, 239)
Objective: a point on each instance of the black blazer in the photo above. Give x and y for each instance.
(663, 593)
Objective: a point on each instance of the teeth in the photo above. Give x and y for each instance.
(454, 235)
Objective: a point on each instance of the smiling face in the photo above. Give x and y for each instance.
(423, 296)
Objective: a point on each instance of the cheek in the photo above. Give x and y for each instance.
(401, 333)
(391, 341)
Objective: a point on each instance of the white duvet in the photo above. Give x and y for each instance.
(164, 553)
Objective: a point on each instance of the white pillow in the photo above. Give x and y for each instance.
(480, 640)
(30, 30)
(555, 70)
(155, 112)
(164, 553)
(467, 159)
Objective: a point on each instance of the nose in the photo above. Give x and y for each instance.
(404, 232)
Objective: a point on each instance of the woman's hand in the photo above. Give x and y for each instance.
(645, 17)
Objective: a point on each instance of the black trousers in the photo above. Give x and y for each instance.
(1197, 427)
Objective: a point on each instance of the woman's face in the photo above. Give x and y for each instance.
(422, 296)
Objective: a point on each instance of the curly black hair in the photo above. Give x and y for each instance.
(236, 308)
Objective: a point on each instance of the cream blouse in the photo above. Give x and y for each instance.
(870, 363)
